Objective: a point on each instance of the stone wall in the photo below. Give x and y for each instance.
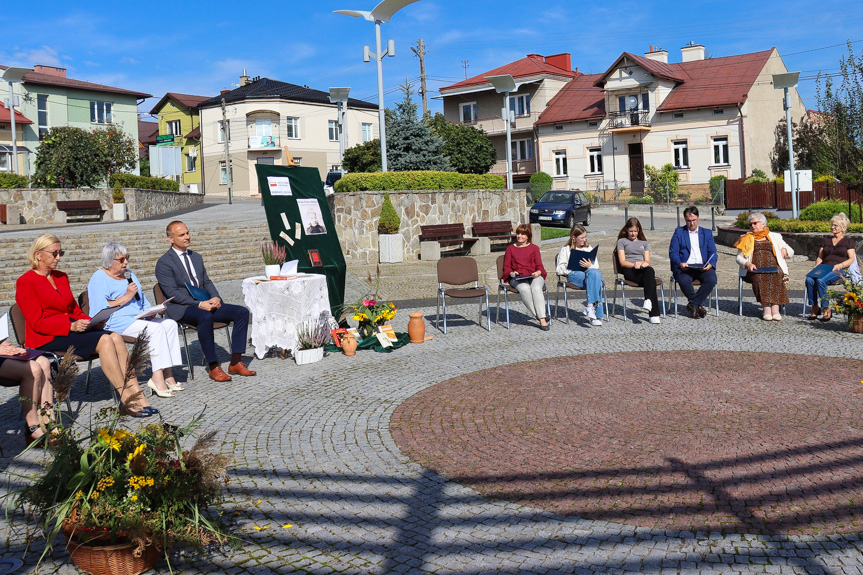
(142, 204)
(356, 215)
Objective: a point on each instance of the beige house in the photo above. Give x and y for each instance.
(707, 117)
(474, 101)
(6, 145)
(269, 122)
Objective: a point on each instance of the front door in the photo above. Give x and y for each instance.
(636, 170)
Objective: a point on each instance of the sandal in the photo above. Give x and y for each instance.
(43, 441)
(828, 314)
(816, 311)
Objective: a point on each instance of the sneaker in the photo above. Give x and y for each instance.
(655, 319)
(590, 312)
(647, 305)
(595, 321)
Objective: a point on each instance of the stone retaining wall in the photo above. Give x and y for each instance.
(142, 204)
(356, 215)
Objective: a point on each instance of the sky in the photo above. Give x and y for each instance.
(202, 48)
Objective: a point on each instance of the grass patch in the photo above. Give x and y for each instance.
(551, 233)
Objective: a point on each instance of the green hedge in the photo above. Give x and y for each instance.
(742, 220)
(10, 180)
(144, 183)
(426, 180)
(641, 200)
(826, 209)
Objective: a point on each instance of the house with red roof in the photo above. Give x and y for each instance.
(180, 126)
(474, 101)
(49, 98)
(705, 116)
(6, 144)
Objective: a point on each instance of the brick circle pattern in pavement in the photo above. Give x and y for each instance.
(701, 441)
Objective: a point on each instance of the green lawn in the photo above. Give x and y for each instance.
(551, 233)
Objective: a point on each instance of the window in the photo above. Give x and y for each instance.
(520, 105)
(595, 158)
(645, 101)
(42, 113)
(558, 128)
(681, 154)
(467, 113)
(100, 112)
(624, 104)
(224, 130)
(333, 129)
(174, 128)
(718, 111)
(264, 127)
(5, 162)
(293, 126)
(367, 133)
(522, 150)
(267, 161)
(560, 163)
(191, 162)
(298, 161)
(720, 150)
(593, 124)
(223, 173)
(677, 115)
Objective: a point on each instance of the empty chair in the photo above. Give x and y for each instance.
(460, 271)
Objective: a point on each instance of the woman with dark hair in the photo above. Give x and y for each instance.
(523, 269)
(633, 261)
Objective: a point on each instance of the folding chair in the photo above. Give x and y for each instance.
(714, 295)
(619, 280)
(159, 296)
(507, 289)
(460, 271)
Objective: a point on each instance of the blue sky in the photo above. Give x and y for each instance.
(202, 48)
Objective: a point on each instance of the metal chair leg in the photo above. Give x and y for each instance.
(739, 296)
(487, 312)
(189, 361)
(662, 294)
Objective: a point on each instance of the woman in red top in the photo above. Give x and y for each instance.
(523, 269)
(54, 322)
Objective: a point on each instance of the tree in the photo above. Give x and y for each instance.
(468, 148)
(842, 113)
(662, 183)
(410, 142)
(363, 157)
(75, 158)
(117, 151)
(812, 147)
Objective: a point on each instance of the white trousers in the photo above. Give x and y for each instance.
(532, 296)
(164, 341)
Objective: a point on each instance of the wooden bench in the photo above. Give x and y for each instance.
(81, 209)
(494, 231)
(434, 237)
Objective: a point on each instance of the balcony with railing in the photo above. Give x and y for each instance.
(519, 167)
(263, 142)
(496, 126)
(629, 121)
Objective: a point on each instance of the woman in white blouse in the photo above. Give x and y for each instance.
(587, 274)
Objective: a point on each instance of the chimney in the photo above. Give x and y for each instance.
(561, 61)
(657, 55)
(50, 70)
(223, 92)
(244, 79)
(692, 52)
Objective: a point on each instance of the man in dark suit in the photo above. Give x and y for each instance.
(693, 256)
(179, 266)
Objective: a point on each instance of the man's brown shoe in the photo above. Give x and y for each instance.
(218, 374)
(240, 368)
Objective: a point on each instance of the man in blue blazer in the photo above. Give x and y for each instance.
(693, 256)
(179, 266)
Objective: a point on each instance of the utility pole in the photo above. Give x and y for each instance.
(420, 53)
(465, 65)
(228, 171)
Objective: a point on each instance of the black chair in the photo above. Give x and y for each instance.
(460, 271)
(159, 296)
(619, 280)
(506, 289)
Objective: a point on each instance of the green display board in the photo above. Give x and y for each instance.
(295, 196)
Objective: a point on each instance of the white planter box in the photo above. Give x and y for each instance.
(390, 248)
(271, 270)
(119, 212)
(304, 356)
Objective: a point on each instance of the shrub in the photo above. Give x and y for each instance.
(144, 183)
(641, 200)
(826, 178)
(10, 180)
(826, 209)
(117, 195)
(426, 180)
(716, 183)
(539, 184)
(757, 176)
(389, 221)
(742, 220)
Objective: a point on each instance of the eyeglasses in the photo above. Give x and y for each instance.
(695, 221)
(835, 226)
(56, 253)
(122, 259)
(753, 224)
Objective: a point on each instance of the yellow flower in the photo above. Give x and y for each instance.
(134, 498)
(138, 451)
(80, 494)
(112, 440)
(105, 483)
(850, 298)
(94, 495)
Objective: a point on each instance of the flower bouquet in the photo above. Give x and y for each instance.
(849, 303)
(274, 256)
(370, 311)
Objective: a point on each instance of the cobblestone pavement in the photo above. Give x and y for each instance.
(320, 486)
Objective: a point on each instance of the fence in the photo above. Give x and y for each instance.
(762, 195)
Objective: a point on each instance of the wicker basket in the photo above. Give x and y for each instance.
(112, 559)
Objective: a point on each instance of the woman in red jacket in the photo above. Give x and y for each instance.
(54, 322)
(523, 269)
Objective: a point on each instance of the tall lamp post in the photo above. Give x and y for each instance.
(379, 15)
(505, 84)
(785, 82)
(339, 96)
(14, 76)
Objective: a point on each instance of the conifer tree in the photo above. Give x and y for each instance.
(410, 143)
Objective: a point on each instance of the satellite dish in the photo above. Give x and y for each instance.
(632, 103)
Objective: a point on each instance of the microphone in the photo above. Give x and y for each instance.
(129, 279)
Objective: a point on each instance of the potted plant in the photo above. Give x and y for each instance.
(390, 241)
(370, 311)
(849, 303)
(311, 337)
(123, 496)
(274, 256)
(119, 202)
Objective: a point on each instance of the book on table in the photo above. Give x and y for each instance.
(575, 257)
(154, 311)
(820, 271)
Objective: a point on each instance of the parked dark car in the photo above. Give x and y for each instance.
(561, 208)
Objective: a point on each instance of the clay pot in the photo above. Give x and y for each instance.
(416, 327)
(857, 324)
(349, 344)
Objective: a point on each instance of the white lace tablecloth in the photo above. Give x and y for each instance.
(279, 306)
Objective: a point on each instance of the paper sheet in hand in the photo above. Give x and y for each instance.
(153, 311)
(820, 271)
(4, 335)
(4, 327)
(198, 293)
(575, 256)
(101, 317)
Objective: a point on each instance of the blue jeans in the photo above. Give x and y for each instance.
(592, 278)
(821, 283)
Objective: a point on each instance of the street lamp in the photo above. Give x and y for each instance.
(784, 82)
(339, 96)
(12, 77)
(380, 14)
(505, 84)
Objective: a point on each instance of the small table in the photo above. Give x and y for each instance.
(279, 306)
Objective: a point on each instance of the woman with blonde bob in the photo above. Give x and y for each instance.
(587, 276)
(54, 322)
(761, 248)
(840, 253)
